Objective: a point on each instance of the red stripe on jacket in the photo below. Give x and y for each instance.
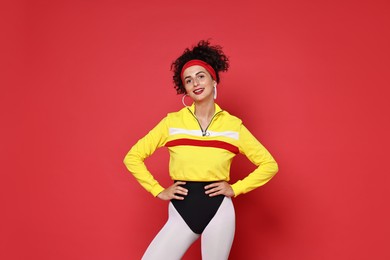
(203, 143)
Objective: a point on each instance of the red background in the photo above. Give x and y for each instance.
(83, 80)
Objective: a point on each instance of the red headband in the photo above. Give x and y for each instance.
(200, 63)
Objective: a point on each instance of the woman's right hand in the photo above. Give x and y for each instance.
(173, 192)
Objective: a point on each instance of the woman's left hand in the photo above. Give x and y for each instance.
(219, 188)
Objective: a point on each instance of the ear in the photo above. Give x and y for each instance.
(215, 84)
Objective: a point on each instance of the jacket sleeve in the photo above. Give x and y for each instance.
(146, 146)
(258, 155)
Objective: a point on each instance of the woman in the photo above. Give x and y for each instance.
(202, 140)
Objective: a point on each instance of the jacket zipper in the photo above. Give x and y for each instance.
(204, 132)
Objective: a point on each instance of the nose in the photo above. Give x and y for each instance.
(196, 82)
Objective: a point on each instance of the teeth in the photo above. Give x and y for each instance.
(198, 90)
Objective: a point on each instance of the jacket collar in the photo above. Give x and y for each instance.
(217, 108)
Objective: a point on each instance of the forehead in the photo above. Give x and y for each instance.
(193, 70)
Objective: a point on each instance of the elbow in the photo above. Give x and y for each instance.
(128, 161)
(125, 162)
(275, 168)
(132, 161)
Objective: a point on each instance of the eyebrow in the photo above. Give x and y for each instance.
(196, 74)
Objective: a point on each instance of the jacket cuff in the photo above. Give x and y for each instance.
(237, 188)
(156, 190)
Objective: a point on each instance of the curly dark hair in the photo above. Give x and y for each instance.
(212, 54)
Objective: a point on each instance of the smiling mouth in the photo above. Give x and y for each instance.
(198, 91)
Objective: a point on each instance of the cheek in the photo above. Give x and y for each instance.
(187, 89)
(208, 84)
(209, 81)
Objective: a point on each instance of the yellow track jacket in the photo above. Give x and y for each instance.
(201, 155)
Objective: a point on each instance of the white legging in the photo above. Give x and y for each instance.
(176, 237)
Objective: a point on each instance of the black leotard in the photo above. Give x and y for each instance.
(197, 209)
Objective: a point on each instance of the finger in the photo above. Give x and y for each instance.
(176, 186)
(212, 185)
(213, 190)
(179, 183)
(181, 189)
(178, 197)
(179, 192)
(216, 193)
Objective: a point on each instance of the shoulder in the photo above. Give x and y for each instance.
(225, 115)
(178, 113)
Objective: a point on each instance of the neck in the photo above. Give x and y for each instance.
(205, 110)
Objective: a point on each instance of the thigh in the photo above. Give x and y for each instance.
(173, 240)
(218, 236)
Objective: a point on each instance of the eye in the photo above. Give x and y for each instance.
(188, 81)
